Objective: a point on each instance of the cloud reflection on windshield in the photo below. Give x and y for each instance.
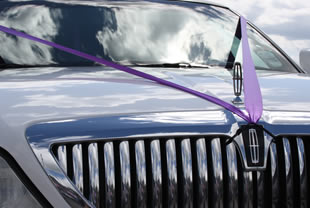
(172, 34)
(285, 21)
(38, 22)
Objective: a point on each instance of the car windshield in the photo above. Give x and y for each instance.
(145, 32)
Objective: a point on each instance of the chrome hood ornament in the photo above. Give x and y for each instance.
(237, 83)
(253, 142)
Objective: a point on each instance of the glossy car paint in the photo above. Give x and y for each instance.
(69, 97)
(74, 97)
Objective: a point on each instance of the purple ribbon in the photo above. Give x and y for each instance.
(252, 94)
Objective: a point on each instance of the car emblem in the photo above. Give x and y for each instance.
(253, 142)
(254, 146)
(237, 83)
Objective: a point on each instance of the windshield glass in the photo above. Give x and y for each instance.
(129, 32)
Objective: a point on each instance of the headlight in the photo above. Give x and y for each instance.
(13, 193)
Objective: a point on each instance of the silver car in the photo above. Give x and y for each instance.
(75, 133)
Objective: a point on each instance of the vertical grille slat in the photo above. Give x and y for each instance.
(156, 174)
(172, 173)
(288, 167)
(77, 158)
(275, 177)
(260, 189)
(302, 172)
(109, 175)
(247, 189)
(202, 170)
(232, 177)
(133, 173)
(164, 173)
(217, 199)
(93, 166)
(62, 157)
(141, 174)
(245, 183)
(185, 172)
(125, 174)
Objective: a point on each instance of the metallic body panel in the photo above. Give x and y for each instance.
(73, 104)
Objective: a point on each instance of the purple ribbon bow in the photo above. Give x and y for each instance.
(252, 94)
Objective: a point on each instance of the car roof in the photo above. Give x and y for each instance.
(93, 1)
(203, 2)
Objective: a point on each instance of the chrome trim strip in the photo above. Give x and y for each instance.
(288, 173)
(172, 173)
(125, 174)
(43, 135)
(238, 141)
(202, 165)
(127, 126)
(187, 173)
(217, 168)
(109, 174)
(260, 178)
(254, 146)
(93, 165)
(156, 174)
(62, 157)
(247, 195)
(77, 159)
(141, 174)
(232, 176)
(302, 172)
(275, 178)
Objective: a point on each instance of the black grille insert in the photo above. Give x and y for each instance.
(185, 172)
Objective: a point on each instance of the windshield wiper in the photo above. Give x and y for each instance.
(171, 65)
(4, 66)
(12, 66)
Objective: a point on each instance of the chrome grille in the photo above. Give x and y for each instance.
(185, 172)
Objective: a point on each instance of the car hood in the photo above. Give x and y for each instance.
(31, 95)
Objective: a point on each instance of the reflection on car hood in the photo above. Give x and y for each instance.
(53, 93)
